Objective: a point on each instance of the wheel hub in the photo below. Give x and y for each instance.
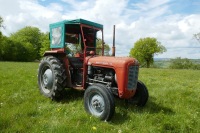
(47, 79)
(98, 105)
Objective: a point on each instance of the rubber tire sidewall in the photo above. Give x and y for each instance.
(108, 101)
(42, 65)
(58, 75)
(141, 96)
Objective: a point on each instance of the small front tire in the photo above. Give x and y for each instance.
(99, 102)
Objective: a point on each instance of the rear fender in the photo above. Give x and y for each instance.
(55, 52)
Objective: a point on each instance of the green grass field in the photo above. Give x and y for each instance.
(173, 105)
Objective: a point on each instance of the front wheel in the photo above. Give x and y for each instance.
(141, 96)
(99, 101)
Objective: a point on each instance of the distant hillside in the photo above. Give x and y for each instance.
(161, 59)
(165, 62)
(168, 59)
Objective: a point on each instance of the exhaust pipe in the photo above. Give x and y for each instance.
(113, 47)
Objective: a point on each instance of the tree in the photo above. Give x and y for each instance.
(184, 63)
(179, 63)
(144, 50)
(12, 50)
(1, 22)
(29, 35)
(76, 48)
(197, 37)
(1, 25)
(1, 37)
(99, 46)
(45, 43)
(20, 46)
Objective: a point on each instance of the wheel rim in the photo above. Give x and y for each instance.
(96, 105)
(47, 79)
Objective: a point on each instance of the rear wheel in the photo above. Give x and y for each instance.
(99, 101)
(51, 77)
(141, 96)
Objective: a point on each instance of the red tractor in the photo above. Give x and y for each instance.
(75, 61)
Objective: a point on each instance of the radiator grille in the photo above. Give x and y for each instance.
(132, 77)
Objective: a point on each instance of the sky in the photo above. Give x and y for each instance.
(172, 22)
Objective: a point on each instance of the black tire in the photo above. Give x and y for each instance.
(141, 96)
(51, 77)
(99, 102)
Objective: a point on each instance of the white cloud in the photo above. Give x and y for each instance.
(55, 7)
(149, 4)
(28, 12)
(151, 18)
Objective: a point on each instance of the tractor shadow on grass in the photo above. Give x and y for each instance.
(70, 95)
(153, 107)
(125, 110)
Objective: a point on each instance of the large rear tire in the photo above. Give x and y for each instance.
(51, 77)
(141, 96)
(99, 102)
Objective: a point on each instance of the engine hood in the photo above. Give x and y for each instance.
(111, 61)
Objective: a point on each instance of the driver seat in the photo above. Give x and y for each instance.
(76, 62)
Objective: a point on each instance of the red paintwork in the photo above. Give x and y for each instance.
(66, 65)
(120, 65)
(55, 51)
(84, 56)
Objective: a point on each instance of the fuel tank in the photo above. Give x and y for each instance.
(110, 61)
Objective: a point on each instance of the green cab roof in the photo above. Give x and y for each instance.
(79, 21)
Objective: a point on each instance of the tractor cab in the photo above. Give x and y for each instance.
(77, 38)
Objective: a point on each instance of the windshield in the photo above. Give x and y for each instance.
(83, 39)
(91, 40)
